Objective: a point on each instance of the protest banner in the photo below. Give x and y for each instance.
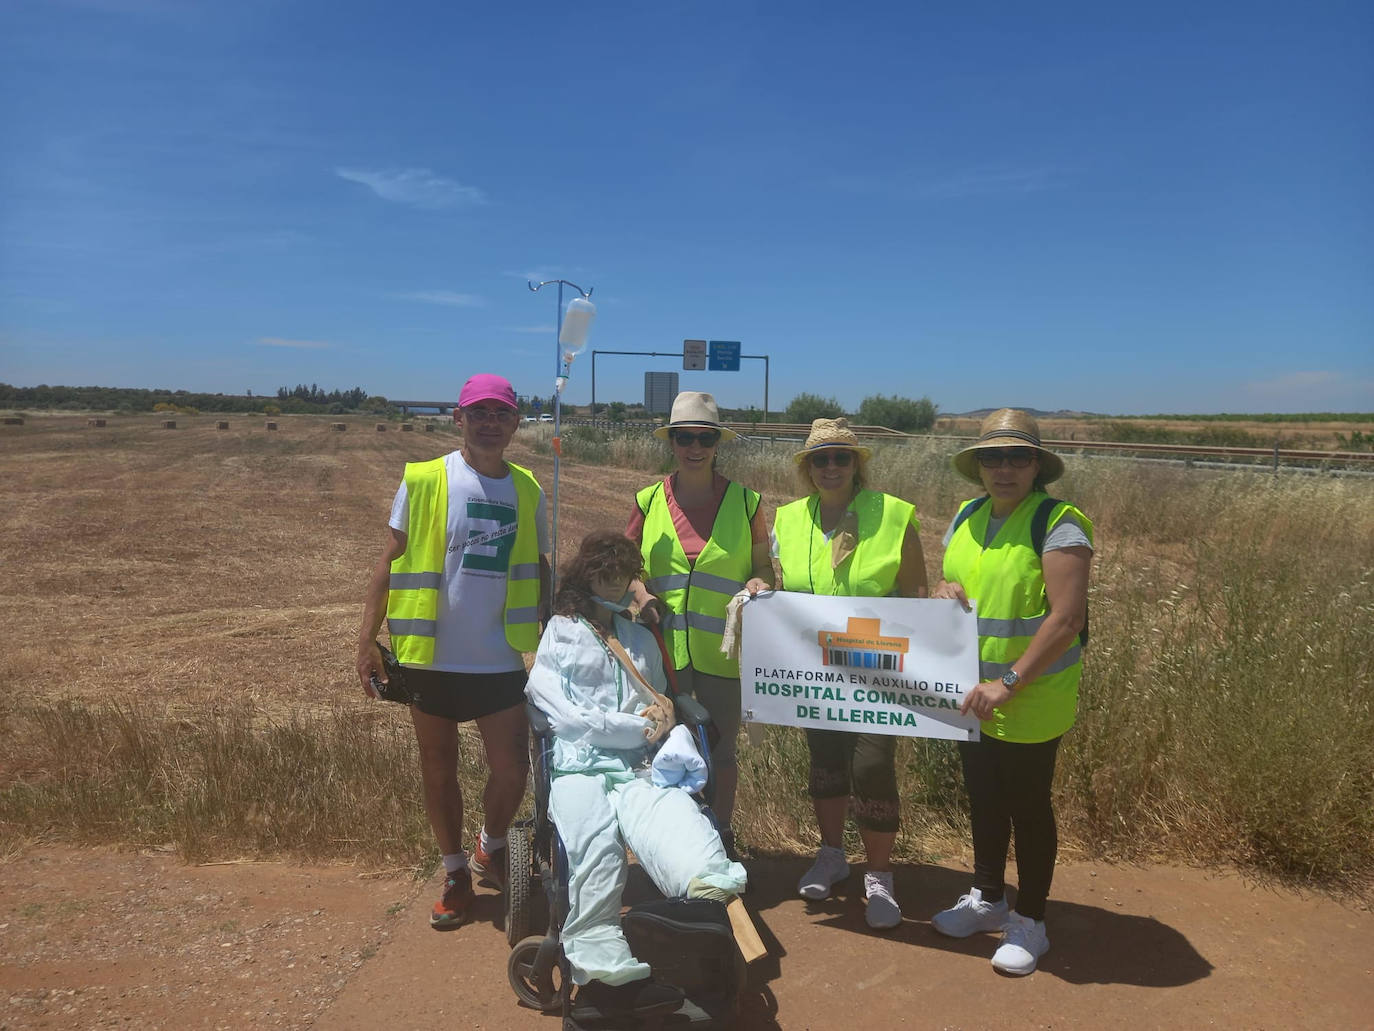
(875, 665)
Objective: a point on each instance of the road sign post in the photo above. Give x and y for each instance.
(694, 355)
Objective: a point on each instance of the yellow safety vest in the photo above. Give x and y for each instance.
(1007, 581)
(697, 593)
(870, 571)
(412, 606)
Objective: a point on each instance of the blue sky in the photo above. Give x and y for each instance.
(1105, 207)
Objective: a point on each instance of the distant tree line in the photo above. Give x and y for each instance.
(295, 400)
(904, 414)
(351, 399)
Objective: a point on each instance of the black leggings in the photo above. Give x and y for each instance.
(1009, 788)
(861, 767)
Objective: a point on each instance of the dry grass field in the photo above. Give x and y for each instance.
(1314, 436)
(181, 608)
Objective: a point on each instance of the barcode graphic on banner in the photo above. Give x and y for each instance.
(863, 659)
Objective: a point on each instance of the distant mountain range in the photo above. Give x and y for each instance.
(1039, 413)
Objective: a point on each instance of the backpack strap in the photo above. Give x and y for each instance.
(1039, 527)
(1040, 523)
(962, 515)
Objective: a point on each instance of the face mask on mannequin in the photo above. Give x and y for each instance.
(626, 601)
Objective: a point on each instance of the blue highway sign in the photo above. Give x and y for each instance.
(724, 356)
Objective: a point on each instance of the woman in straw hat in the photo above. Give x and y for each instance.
(844, 539)
(1024, 557)
(704, 540)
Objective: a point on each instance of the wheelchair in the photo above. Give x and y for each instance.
(688, 943)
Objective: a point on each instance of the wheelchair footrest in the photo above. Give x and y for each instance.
(689, 944)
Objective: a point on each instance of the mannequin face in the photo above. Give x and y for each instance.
(611, 587)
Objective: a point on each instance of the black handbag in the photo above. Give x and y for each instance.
(395, 689)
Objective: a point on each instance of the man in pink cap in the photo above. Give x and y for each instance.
(463, 580)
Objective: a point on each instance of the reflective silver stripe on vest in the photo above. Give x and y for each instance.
(528, 614)
(711, 582)
(695, 621)
(994, 670)
(414, 581)
(413, 627)
(524, 571)
(672, 582)
(1021, 627)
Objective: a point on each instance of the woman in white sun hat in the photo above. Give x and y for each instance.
(843, 539)
(1024, 557)
(703, 539)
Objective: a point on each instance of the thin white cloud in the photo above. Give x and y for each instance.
(977, 182)
(986, 182)
(448, 298)
(418, 187)
(309, 345)
(1315, 389)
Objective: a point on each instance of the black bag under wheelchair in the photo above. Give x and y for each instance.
(688, 943)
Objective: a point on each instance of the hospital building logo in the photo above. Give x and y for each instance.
(861, 646)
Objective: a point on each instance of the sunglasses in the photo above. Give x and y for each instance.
(706, 438)
(1017, 457)
(821, 459)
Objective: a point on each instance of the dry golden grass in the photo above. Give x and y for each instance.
(182, 606)
(1313, 436)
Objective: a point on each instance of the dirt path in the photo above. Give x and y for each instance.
(96, 938)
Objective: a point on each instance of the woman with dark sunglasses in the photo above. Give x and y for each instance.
(703, 539)
(844, 539)
(1024, 557)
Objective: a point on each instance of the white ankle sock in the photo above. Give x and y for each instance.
(490, 845)
(455, 861)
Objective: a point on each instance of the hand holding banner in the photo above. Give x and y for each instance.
(875, 665)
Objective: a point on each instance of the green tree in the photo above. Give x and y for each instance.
(809, 407)
(897, 413)
(617, 411)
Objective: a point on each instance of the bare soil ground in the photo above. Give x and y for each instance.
(99, 938)
(197, 566)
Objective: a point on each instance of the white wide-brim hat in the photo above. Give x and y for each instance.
(694, 408)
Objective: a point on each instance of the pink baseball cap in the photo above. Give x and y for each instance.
(487, 386)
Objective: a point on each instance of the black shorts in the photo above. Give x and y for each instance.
(466, 696)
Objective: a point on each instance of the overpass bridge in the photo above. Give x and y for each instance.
(442, 407)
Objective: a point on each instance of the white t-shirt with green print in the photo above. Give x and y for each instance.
(471, 636)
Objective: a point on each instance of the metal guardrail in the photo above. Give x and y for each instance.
(881, 434)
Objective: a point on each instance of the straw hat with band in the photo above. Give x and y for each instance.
(692, 408)
(832, 433)
(1008, 428)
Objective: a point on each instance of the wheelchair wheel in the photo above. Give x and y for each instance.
(520, 971)
(519, 873)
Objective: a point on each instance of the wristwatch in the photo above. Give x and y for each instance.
(1010, 679)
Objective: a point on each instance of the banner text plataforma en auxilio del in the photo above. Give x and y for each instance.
(877, 665)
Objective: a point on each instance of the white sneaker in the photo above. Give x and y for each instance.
(882, 910)
(1023, 942)
(970, 915)
(828, 870)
